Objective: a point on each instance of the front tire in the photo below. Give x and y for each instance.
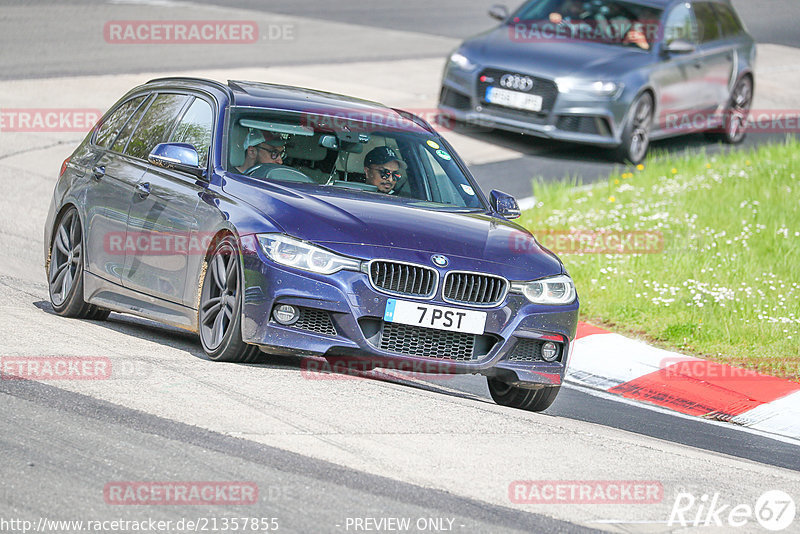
(735, 122)
(65, 270)
(636, 134)
(220, 312)
(532, 400)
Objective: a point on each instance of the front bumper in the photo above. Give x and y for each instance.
(344, 318)
(574, 119)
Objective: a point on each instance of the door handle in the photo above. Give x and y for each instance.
(143, 189)
(98, 172)
(698, 65)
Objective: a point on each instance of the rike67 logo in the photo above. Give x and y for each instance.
(774, 510)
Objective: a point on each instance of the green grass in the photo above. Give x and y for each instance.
(726, 284)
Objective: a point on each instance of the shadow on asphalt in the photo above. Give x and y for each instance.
(189, 342)
(578, 153)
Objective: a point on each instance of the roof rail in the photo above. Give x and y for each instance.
(215, 83)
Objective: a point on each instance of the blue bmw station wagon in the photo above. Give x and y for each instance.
(282, 220)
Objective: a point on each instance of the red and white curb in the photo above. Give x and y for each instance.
(623, 366)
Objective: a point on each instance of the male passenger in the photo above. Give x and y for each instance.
(382, 168)
(262, 147)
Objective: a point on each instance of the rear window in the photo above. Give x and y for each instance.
(116, 121)
(125, 134)
(706, 22)
(156, 124)
(728, 20)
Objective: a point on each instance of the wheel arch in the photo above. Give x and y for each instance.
(219, 235)
(51, 233)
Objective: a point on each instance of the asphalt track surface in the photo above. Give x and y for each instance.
(323, 451)
(47, 39)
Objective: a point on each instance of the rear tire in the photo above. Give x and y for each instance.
(735, 121)
(65, 270)
(636, 134)
(532, 400)
(220, 312)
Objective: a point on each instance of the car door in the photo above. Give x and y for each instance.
(162, 217)
(113, 177)
(716, 57)
(735, 39)
(677, 76)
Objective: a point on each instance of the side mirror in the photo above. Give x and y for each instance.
(679, 46)
(179, 156)
(499, 12)
(504, 204)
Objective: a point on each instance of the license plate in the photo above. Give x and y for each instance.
(513, 99)
(432, 316)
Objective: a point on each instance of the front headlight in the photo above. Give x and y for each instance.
(577, 86)
(301, 255)
(554, 290)
(461, 61)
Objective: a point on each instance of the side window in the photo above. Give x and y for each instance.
(156, 124)
(443, 190)
(195, 128)
(125, 134)
(680, 25)
(728, 20)
(707, 28)
(114, 123)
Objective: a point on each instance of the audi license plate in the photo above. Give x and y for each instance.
(432, 316)
(513, 99)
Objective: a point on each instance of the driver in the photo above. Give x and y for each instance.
(262, 147)
(382, 167)
(570, 9)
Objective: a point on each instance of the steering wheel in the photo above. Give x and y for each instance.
(282, 173)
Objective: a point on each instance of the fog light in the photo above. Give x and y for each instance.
(549, 351)
(285, 314)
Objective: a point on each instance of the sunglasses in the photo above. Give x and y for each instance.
(274, 154)
(389, 174)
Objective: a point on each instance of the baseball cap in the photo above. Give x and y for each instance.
(381, 155)
(256, 137)
(274, 139)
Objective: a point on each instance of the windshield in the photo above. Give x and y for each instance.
(387, 156)
(605, 21)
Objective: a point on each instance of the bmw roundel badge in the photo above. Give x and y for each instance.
(440, 260)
